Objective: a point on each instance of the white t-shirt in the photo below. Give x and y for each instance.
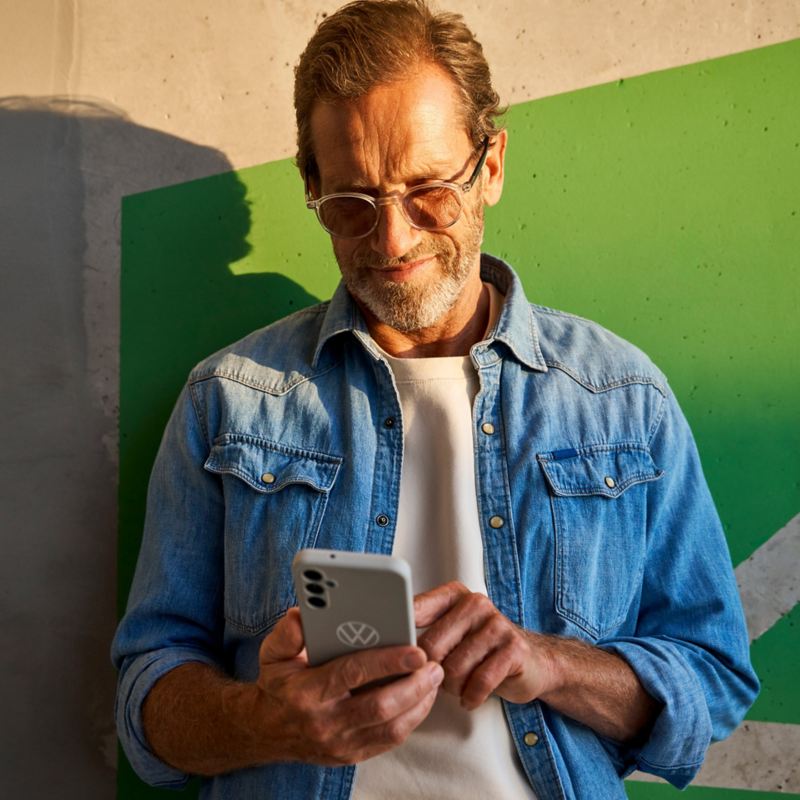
(454, 753)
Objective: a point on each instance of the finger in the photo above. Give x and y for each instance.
(357, 745)
(285, 641)
(379, 738)
(429, 606)
(344, 674)
(487, 677)
(353, 722)
(497, 632)
(472, 651)
(470, 613)
(381, 704)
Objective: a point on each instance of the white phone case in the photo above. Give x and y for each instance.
(352, 601)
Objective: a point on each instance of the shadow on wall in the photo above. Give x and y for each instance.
(65, 165)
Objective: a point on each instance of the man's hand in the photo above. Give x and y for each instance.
(319, 718)
(200, 721)
(481, 650)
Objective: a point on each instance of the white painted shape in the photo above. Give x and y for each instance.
(768, 580)
(760, 756)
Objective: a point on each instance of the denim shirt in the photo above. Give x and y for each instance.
(602, 528)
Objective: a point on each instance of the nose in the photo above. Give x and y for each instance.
(394, 236)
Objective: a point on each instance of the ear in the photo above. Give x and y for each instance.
(494, 169)
(312, 182)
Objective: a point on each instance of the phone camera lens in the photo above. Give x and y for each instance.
(315, 588)
(317, 602)
(312, 575)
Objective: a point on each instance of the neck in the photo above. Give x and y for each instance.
(453, 335)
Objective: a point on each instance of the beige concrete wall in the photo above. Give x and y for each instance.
(102, 98)
(220, 74)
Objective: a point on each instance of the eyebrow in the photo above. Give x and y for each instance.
(435, 172)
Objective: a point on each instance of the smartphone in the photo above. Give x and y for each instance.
(352, 601)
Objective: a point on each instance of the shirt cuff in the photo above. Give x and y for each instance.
(677, 743)
(137, 677)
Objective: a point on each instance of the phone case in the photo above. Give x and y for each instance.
(352, 601)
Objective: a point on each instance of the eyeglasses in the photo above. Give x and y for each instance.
(431, 206)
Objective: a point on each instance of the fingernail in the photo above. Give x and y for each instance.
(436, 674)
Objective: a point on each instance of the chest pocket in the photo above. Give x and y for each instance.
(599, 500)
(275, 499)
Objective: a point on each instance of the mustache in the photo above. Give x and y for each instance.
(421, 251)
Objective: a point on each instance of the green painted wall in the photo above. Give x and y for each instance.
(665, 207)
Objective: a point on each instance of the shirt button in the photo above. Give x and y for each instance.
(497, 522)
(610, 482)
(487, 428)
(267, 477)
(530, 738)
(382, 520)
(388, 422)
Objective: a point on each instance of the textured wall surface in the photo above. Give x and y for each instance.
(663, 206)
(100, 99)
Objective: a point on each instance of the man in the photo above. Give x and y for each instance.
(579, 611)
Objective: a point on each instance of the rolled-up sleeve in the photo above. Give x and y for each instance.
(174, 614)
(690, 650)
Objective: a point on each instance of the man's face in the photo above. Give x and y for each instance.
(400, 135)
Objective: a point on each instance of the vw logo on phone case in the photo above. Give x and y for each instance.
(357, 634)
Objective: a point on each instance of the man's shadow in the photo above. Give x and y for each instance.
(71, 363)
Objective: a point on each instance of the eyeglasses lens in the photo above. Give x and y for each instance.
(349, 217)
(427, 207)
(433, 207)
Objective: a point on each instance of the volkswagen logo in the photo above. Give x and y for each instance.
(357, 634)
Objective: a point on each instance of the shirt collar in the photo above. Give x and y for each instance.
(516, 328)
(342, 316)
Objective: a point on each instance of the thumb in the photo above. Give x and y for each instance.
(429, 606)
(285, 641)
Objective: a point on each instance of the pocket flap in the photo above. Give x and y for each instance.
(268, 467)
(606, 470)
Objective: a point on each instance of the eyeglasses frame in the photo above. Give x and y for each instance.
(390, 199)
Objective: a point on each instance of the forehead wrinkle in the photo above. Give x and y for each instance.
(417, 141)
(405, 130)
(387, 142)
(368, 160)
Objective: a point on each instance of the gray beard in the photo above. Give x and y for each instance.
(409, 307)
